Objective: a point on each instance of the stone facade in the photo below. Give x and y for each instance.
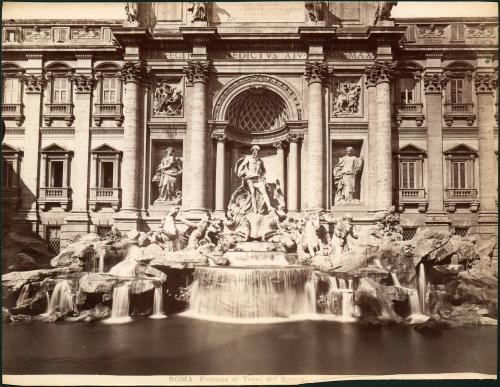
(90, 108)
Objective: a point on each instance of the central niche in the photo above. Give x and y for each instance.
(257, 110)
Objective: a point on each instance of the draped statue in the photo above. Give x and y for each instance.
(344, 176)
(168, 175)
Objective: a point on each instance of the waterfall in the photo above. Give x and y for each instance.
(126, 268)
(422, 286)
(341, 298)
(378, 263)
(395, 279)
(23, 295)
(252, 292)
(347, 305)
(120, 307)
(158, 304)
(101, 263)
(416, 314)
(349, 282)
(61, 297)
(342, 283)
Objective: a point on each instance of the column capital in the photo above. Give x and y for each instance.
(485, 83)
(219, 137)
(279, 144)
(434, 82)
(295, 137)
(197, 71)
(316, 71)
(133, 72)
(381, 71)
(84, 83)
(34, 83)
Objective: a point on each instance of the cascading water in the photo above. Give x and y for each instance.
(422, 286)
(120, 308)
(126, 268)
(340, 298)
(158, 304)
(252, 292)
(395, 279)
(61, 297)
(101, 263)
(23, 295)
(416, 314)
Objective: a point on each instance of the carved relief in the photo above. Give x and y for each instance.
(347, 98)
(168, 99)
(34, 83)
(316, 71)
(197, 71)
(36, 33)
(86, 33)
(431, 31)
(198, 11)
(481, 31)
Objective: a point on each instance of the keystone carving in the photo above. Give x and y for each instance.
(316, 71)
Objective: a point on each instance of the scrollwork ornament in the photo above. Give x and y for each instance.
(316, 72)
(34, 83)
(83, 83)
(486, 83)
(133, 72)
(434, 82)
(197, 71)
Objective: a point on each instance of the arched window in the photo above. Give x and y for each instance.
(12, 93)
(458, 105)
(59, 96)
(108, 94)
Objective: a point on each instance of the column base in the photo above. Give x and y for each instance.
(438, 220)
(219, 214)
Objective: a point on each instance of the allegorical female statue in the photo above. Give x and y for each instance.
(344, 176)
(168, 175)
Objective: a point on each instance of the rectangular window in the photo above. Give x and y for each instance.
(106, 178)
(409, 233)
(457, 91)
(407, 90)
(110, 90)
(457, 32)
(8, 174)
(458, 174)
(56, 174)
(11, 91)
(54, 239)
(60, 93)
(407, 177)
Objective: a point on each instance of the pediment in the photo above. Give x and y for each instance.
(461, 149)
(105, 148)
(54, 148)
(9, 149)
(411, 149)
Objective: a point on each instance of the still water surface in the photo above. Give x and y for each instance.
(179, 345)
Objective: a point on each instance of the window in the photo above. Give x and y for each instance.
(8, 174)
(408, 174)
(457, 32)
(103, 231)
(461, 231)
(54, 239)
(56, 174)
(60, 90)
(11, 91)
(106, 174)
(407, 90)
(409, 233)
(458, 174)
(457, 91)
(110, 87)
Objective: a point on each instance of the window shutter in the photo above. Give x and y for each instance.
(411, 34)
(457, 32)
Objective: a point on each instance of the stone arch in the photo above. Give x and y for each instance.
(240, 84)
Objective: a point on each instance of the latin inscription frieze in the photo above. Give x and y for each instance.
(261, 55)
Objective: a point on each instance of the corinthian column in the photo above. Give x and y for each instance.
(197, 73)
(381, 74)
(220, 173)
(486, 84)
(433, 85)
(133, 74)
(315, 75)
(293, 170)
(280, 171)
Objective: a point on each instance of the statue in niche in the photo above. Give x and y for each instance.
(198, 10)
(167, 100)
(344, 175)
(168, 175)
(132, 11)
(314, 11)
(347, 100)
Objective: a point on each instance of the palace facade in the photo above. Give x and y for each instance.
(91, 106)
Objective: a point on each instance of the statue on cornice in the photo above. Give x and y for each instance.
(314, 11)
(198, 10)
(384, 9)
(132, 11)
